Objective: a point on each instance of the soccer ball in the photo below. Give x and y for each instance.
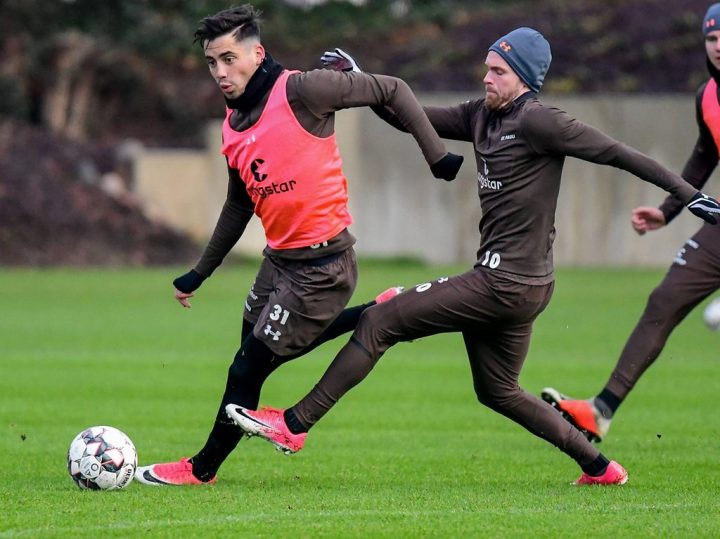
(712, 315)
(102, 458)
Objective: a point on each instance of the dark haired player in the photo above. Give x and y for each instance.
(520, 146)
(693, 276)
(284, 166)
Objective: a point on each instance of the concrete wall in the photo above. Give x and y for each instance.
(400, 210)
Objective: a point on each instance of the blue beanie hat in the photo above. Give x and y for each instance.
(528, 54)
(711, 22)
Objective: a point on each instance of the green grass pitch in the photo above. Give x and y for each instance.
(408, 453)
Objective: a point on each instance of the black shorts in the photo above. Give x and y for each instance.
(292, 302)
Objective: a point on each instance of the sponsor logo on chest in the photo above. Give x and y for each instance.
(484, 181)
(259, 171)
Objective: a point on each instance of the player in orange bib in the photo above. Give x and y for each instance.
(284, 166)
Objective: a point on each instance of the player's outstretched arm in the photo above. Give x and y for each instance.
(647, 218)
(339, 60)
(445, 168)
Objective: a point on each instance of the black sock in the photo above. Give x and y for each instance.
(293, 423)
(609, 403)
(223, 439)
(596, 467)
(252, 365)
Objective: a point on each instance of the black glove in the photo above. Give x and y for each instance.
(189, 282)
(339, 60)
(447, 168)
(705, 207)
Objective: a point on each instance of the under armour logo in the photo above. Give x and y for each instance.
(709, 23)
(255, 169)
(504, 45)
(275, 334)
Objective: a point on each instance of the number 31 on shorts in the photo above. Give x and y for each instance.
(278, 313)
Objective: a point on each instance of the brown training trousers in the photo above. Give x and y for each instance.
(693, 276)
(494, 315)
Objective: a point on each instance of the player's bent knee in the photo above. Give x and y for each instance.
(244, 368)
(661, 299)
(370, 318)
(494, 397)
(238, 369)
(372, 331)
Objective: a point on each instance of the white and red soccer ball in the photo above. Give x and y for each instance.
(102, 458)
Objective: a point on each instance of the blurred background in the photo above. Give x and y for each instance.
(109, 122)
